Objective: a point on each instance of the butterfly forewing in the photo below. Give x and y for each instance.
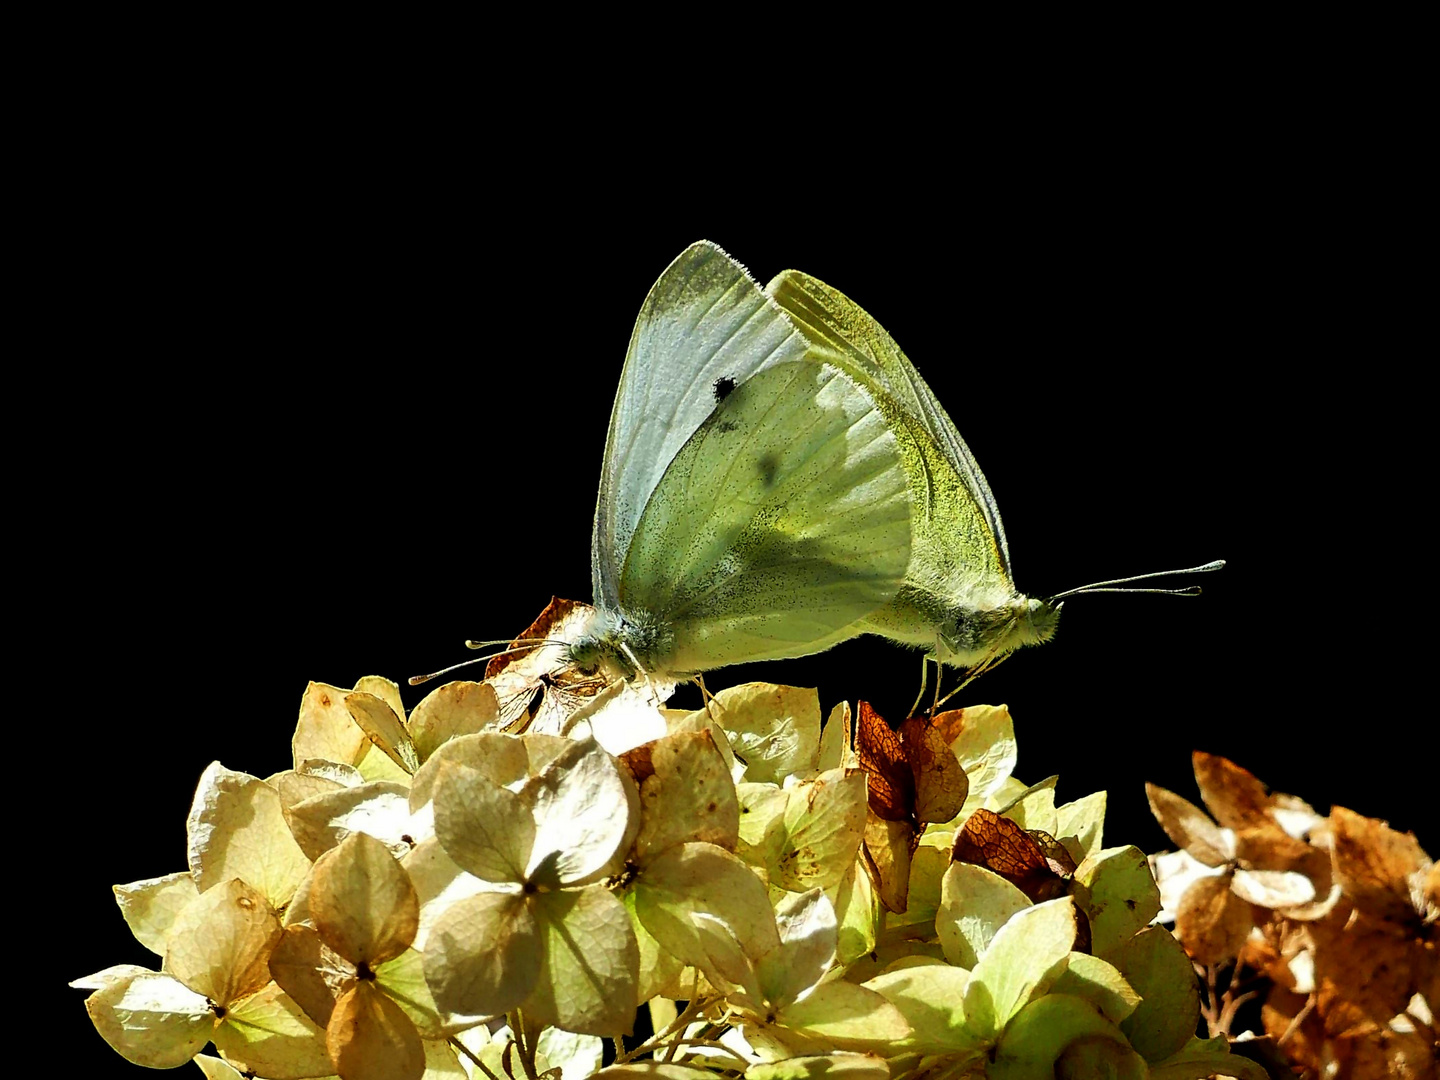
(704, 324)
(781, 522)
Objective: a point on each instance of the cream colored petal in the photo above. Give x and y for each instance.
(152, 1020)
(687, 796)
(775, 729)
(591, 963)
(483, 957)
(150, 906)
(269, 1035)
(325, 728)
(384, 729)
(237, 829)
(380, 808)
(452, 710)
(219, 945)
(438, 882)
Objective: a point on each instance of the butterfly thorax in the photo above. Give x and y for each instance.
(615, 643)
(968, 629)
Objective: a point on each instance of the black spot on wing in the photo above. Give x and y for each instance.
(722, 387)
(769, 468)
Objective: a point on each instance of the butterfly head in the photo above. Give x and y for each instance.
(979, 636)
(620, 646)
(1035, 620)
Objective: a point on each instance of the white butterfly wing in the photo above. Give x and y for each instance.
(831, 320)
(704, 320)
(779, 524)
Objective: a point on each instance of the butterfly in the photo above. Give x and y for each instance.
(779, 478)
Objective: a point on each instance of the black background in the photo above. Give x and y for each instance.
(355, 381)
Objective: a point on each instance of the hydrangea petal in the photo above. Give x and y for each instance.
(704, 878)
(483, 957)
(823, 824)
(152, 1020)
(974, 903)
(847, 1017)
(269, 1035)
(220, 944)
(325, 728)
(581, 813)
(380, 809)
(1025, 957)
(687, 795)
(1123, 896)
(385, 729)
(487, 829)
(808, 929)
(587, 982)
(932, 1000)
(449, 711)
(775, 729)
(362, 902)
(370, 1038)
(150, 906)
(237, 829)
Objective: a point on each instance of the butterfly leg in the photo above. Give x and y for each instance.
(924, 680)
(705, 694)
(991, 661)
(642, 673)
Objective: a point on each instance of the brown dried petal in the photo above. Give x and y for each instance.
(370, 1038)
(890, 781)
(887, 850)
(1366, 971)
(1212, 921)
(1188, 826)
(310, 972)
(1374, 864)
(1234, 795)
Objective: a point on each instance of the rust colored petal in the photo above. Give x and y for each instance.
(1003, 847)
(940, 781)
(891, 783)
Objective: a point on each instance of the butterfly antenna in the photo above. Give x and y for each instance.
(523, 646)
(1108, 586)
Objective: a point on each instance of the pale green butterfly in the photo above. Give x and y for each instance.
(777, 479)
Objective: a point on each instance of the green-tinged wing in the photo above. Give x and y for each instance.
(783, 520)
(704, 320)
(834, 322)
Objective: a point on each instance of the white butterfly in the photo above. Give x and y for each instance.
(778, 478)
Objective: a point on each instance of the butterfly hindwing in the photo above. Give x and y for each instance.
(831, 320)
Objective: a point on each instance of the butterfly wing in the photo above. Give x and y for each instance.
(781, 522)
(832, 321)
(704, 320)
